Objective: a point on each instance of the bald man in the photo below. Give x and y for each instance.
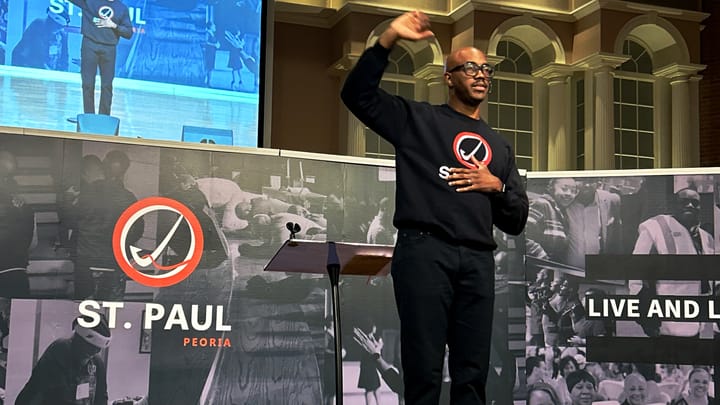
(456, 178)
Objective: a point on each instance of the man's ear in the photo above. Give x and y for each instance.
(448, 80)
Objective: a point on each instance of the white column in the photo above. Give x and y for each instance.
(589, 133)
(560, 142)
(604, 142)
(684, 98)
(681, 143)
(600, 130)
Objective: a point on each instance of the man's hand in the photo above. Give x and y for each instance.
(105, 23)
(413, 26)
(478, 179)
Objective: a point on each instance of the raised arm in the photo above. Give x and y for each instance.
(80, 3)
(361, 93)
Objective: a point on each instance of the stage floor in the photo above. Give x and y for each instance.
(146, 110)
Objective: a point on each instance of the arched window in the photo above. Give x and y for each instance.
(510, 101)
(397, 80)
(634, 109)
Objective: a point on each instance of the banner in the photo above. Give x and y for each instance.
(149, 262)
(621, 297)
(150, 259)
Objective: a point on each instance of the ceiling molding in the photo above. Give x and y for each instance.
(324, 15)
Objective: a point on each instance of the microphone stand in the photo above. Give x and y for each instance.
(333, 269)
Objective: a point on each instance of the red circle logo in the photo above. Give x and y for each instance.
(167, 275)
(469, 144)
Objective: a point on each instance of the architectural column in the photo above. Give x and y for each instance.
(589, 118)
(356, 136)
(560, 139)
(604, 128)
(432, 77)
(685, 136)
(351, 131)
(600, 142)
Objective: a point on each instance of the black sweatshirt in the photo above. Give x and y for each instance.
(116, 10)
(428, 140)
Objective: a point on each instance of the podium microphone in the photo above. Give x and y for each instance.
(293, 228)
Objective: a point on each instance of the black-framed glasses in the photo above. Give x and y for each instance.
(472, 69)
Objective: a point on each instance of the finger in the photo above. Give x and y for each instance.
(476, 162)
(461, 170)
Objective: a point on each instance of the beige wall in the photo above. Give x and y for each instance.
(304, 96)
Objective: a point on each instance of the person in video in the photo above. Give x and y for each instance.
(44, 43)
(104, 22)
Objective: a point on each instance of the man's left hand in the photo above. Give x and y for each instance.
(478, 179)
(105, 23)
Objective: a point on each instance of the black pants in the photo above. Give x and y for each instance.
(94, 55)
(445, 295)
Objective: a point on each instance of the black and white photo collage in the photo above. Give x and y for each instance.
(581, 229)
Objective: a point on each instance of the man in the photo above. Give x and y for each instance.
(593, 223)
(103, 23)
(44, 43)
(443, 265)
(17, 232)
(676, 234)
(71, 371)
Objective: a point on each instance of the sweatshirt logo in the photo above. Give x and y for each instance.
(106, 12)
(469, 144)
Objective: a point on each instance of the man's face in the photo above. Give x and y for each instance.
(564, 191)
(586, 190)
(470, 90)
(687, 207)
(83, 350)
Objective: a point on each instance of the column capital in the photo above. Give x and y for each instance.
(601, 60)
(351, 51)
(553, 71)
(429, 72)
(676, 71)
(343, 65)
(494, 59)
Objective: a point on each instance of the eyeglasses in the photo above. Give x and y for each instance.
(472, 69)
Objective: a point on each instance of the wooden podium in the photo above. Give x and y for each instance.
(335, 259)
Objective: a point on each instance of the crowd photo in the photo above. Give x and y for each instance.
(573, 218)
